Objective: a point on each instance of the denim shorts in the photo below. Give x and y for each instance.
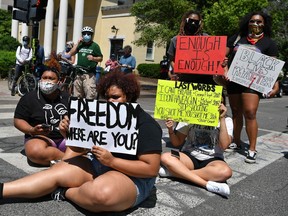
(143, 185)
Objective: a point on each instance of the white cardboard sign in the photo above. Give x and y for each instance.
(113, 126)
(255, 70)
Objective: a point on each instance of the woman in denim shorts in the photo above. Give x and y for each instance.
(99, 180)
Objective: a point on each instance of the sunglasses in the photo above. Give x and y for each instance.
(86, 33)
(192, 21)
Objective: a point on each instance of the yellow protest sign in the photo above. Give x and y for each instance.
(194, 103)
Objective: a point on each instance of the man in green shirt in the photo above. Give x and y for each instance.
(88, 55)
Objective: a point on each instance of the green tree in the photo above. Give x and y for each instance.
(7, 42)
(223, 17)
(5, 22)
(159, 21)
(279, 12)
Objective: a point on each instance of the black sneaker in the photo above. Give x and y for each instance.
(251, 157)
(13, 93)
(59, 194)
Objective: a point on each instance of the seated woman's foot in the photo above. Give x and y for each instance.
(219, 188)
(164, 172)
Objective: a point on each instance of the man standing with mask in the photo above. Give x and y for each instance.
(89, 54)
(191, 25)
(23, 56)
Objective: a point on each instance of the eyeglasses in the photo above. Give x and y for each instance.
(255, 21)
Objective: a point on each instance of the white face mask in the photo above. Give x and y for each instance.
(47, 87)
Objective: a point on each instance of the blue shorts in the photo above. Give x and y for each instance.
(143, 185)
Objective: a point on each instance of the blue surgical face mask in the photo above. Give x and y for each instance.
(87, 38)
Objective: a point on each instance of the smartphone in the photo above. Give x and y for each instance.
(45, 126)
(175, 153)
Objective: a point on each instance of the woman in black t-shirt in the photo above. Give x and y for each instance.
(101, 181)
(38, 114)
(254, 33)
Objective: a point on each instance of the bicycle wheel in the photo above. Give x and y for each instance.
(26, 83)
(11, 75)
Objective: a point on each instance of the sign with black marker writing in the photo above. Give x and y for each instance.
(254, 70)
(194, 103)
(113, 126)
(200, 54)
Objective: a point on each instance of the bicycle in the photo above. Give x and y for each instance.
(68, 74)
(25, 83)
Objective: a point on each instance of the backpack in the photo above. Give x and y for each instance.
(29, 49)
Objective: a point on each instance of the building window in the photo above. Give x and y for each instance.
(121, 2)
(149, 51)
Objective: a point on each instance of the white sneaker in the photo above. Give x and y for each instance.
(164, 172)
(233, 147)
(219, 188)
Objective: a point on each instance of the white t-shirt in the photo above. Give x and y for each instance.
(202, 141)
(22, 54)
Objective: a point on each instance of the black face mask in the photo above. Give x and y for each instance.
(67, 49)
(191, 26)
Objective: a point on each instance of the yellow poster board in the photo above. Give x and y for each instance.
(194, 103)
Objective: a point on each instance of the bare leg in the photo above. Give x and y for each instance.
(235, 101)
(40, 152)
(184, 169)
(72, 173)
(250, 106)
(112, 191)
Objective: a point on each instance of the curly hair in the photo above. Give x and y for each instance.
(243, 25)
(183, 21)
(128, 83)
(52, 64)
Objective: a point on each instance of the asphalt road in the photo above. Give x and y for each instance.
(257, 189)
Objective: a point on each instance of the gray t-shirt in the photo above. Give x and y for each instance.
(202, 141)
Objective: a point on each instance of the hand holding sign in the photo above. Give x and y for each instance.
(194, 103)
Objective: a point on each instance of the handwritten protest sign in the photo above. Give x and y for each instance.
(254, 70)
(112, 126)
(200, 54)
(193, 103)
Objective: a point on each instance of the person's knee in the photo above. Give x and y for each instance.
(167, 160)
(250, 115)
(226, 172)
(102, 196)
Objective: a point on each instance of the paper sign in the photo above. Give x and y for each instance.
(254, 70)
(112, 126)
(200, 54)
(193, 103)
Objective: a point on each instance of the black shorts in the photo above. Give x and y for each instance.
(198, 164)
(235, 88)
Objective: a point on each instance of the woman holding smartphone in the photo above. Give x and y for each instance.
(38, 114)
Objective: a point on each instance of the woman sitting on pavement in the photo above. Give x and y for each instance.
(101, 181)
(38, 114)
(201, 159)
